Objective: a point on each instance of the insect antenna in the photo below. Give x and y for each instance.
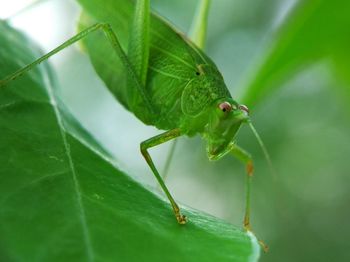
(262, 145)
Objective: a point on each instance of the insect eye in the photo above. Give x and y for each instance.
(225, 107)
(244, 108)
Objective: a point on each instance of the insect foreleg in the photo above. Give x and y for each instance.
(112, 38)
(155, 141)
(246, 158)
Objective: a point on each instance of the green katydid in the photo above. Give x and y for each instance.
(170, 84)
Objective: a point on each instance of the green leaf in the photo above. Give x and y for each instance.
(62, 197)
(317, 30)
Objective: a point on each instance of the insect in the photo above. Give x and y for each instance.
(167, 81)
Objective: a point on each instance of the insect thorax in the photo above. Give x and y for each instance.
(186, 102)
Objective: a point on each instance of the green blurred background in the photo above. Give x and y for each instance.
(302, 116)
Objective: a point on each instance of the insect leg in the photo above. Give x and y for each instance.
(246, 158)
(112, 38)
(155, 141)
(168, 159)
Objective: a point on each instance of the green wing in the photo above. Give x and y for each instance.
(173, 59)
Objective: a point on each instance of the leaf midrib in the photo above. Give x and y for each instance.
(82, 215)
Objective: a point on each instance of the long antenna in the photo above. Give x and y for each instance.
(266, 154)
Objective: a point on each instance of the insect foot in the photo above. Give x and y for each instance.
(262, 244)
(181, 219)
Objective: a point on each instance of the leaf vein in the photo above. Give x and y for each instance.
(31, 183)
(77, 189)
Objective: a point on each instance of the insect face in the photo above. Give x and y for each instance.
(225, 119)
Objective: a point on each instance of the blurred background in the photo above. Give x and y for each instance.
(303, 215)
